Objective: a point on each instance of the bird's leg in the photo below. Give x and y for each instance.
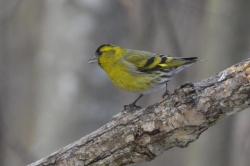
(166, 93)
(133, 105)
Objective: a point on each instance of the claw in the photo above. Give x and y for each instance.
(187, 84)
(166, 93)
(131, 107)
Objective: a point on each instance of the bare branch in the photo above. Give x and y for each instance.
(142, 135)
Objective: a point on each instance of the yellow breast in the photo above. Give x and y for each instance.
(128, 81)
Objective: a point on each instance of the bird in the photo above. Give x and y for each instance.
(138, 71)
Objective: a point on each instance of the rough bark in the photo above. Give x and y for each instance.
(134, 136)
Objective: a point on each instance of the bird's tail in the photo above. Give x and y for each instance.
(189, 60)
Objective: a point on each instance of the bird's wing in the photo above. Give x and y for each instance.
(147, 62)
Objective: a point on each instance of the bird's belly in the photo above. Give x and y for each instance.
(139, 83)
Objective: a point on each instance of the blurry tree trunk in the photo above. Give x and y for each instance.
(2, 88)
(19, 39)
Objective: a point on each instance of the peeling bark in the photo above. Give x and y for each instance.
(142, 135)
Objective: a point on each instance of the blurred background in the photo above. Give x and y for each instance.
(50, 96)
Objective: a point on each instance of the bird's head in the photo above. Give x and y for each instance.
(107, 54)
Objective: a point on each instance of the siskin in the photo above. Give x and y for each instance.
(139, 71)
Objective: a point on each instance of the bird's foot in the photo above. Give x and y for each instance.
(187, 84)
(166, 93)
(131, 107)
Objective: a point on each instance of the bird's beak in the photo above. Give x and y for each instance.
(93, 59)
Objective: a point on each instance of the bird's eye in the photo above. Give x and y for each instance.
(98, 53)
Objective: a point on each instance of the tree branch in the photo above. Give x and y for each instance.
(142, 135)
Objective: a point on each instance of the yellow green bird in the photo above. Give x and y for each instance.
(139, 71)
